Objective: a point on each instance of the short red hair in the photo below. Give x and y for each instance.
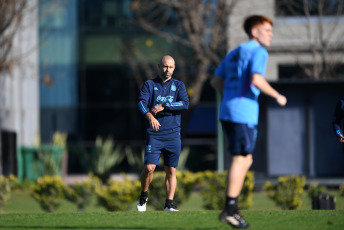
(254, 20)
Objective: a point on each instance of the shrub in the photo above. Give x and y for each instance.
(186, 181)
(106, 156)
(5, 188)
(51, 163)
(81, 192)
(24, 185)
(134, 157)
(49, 160)
(47, 192)
(96, 182)
(341, 190)
(288, 191)
(157, 192)
(314, 190)
(213, 190)
(60, 139)
(118, 195)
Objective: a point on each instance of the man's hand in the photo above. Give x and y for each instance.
(153, 122)
(156, 109)
(281, 100)
(341, 138)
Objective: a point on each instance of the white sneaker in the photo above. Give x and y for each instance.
(141, 205)
(171, 208)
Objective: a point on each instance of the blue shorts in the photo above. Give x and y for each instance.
(241, 137)
(156, 145)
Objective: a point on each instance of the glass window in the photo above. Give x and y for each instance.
(291, 71)
(57, 14)
(286, 8)
(101, 49)
(294, 71)
(108, 101)
(58, 53)
(103, 14)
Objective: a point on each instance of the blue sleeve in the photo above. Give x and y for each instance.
(338, 117)
(144, 98)
(182, 100)
(259, 61)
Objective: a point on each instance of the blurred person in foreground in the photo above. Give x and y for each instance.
(161, 101)
(338, 120)
(239, 79)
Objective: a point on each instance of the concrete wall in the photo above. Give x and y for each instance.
(290, 33)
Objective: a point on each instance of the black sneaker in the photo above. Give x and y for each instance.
(171, 208)
(236, 220)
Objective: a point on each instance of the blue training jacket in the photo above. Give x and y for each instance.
(171, 93)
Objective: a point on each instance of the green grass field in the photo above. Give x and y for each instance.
(22, 212)
(259, 219)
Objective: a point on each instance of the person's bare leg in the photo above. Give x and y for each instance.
(236, 177)
(170, 182)
(147, 177)
(170, 186)
(236, 174)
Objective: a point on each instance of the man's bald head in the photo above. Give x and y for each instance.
(166, 58)
(166, 67)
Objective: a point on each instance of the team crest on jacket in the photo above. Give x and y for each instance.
(173, 87)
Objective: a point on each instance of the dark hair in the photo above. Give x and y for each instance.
(254, 20)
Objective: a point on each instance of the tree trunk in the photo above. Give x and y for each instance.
(197, 86)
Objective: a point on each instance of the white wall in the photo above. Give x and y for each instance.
(20, 107)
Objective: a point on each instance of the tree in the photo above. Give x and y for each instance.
(198, 26)
(11, 15)
(322, 31)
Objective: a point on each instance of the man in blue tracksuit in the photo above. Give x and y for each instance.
(338, 120)
(161, 101)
